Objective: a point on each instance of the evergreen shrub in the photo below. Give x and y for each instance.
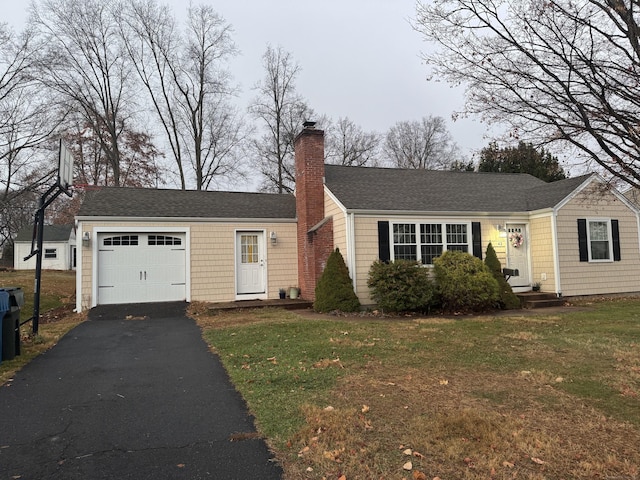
(334, 290)
(400, 286)
(464, 283)
(508, 300)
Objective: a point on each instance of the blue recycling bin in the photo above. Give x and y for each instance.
(11, 323)
(4, 308)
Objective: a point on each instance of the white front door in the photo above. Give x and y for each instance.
(250, 263)
(518, 254)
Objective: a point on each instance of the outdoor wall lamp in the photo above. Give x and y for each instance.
(86, 238)
(502, 230)
(273, 237)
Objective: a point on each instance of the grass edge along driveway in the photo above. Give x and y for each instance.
(531, 396)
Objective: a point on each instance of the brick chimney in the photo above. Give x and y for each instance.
(315, 232)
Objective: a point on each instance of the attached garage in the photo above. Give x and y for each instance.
(141, 267)
(145, 245)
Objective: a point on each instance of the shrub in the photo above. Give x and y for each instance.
(334, 290)
(400, 286)
(508, 300)
(464, 283)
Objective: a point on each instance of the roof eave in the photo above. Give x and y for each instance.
(91, 218)
(423, 213)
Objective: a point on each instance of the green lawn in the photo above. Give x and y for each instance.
(57, 299)
(521, 396)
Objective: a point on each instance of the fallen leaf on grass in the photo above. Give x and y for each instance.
(408, 451)
(507, 464)
(333, 454)
(537, 460)
(272, 360)
(418, 455)
(365, 408)
(303, 451)
(408, 466)
(444, 382)
(342, 477)
(418, 475)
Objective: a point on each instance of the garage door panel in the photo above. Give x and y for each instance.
(147, 271)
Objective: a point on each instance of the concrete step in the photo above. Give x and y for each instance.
(287, 304)
(539, 300)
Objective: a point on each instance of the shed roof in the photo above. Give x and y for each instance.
(390, 189)
(51, 233)
(159, 203)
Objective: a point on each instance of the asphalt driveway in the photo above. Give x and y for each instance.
(133, 393)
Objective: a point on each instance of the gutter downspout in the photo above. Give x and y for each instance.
(351, 250)
(556, 258)
(78, 268)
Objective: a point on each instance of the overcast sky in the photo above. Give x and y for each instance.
(359, 58)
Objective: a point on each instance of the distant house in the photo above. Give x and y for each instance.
(59, 248)
(574, 236)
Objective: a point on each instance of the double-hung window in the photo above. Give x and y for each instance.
(599, 239)
(404, 241)
(426, 241)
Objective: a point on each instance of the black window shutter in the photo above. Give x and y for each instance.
(384, 252)
(582, 240)
(476, 239)
(615, 235)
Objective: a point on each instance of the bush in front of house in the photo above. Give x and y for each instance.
(508, 300)
(334, 290)
(464, 283)
(400, 286)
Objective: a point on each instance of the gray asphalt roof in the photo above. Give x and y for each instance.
(156, 203)
(387, 189)
(357, 188)
(51, 233)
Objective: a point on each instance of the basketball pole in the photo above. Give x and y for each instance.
(46, 200)
(44, 203)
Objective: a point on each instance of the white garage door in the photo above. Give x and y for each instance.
(141, 267)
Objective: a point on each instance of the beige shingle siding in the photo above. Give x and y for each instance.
(542, 262)
(366, 238)
(332, 209)
(213, 258)
(586, 278)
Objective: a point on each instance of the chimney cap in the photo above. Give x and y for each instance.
(309, 125)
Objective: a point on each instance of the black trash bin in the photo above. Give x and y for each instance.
(11, 323)
(4, 308)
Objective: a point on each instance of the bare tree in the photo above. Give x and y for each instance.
(82, 60)
(281, 111)
(348, 144)
(189, 86)
(424, 144)
(553, 71)
(138, 158)
(27, 118)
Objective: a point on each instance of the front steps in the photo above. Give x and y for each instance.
(539, 300)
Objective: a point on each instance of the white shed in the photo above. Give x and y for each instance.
(59, 248)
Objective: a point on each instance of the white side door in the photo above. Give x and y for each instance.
(250, 263)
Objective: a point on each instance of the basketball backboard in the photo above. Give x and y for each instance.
(65, 168)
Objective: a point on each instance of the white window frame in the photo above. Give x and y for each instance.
(607, 221)
(418, 244)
